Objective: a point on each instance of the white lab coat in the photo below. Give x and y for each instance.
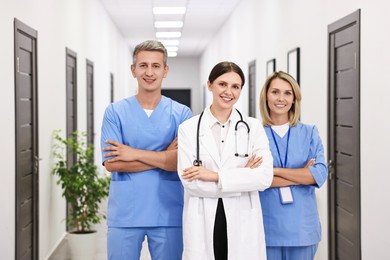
(238, 186)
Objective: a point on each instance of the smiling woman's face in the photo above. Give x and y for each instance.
(280, 98)
(226, 90)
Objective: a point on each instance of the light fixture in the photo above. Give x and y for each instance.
(169, 10)
(168, 34)
(168, 24)
(170, 42)
(172, 54)
(171, 48)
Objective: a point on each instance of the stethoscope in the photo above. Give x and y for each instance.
(198, 162)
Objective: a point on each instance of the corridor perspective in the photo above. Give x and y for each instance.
(76, 55)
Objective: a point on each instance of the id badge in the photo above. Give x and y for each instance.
(286, 196)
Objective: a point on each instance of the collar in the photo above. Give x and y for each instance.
(213, 120)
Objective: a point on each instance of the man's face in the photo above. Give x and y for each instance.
(149, 70)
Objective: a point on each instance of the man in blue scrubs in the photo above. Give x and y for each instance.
(140, 149)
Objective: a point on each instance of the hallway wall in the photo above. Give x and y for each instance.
(184, 73)
(267, 29)
(84, 27)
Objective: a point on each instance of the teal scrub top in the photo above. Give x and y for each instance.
(149, 198)
(295, 224)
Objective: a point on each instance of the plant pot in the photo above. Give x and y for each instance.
(82, 245)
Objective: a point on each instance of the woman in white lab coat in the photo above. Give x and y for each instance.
(222, 166)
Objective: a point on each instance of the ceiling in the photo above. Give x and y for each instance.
(202, 20)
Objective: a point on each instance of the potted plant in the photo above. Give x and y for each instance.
(83, 188)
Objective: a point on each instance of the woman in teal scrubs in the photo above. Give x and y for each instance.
(291, 222)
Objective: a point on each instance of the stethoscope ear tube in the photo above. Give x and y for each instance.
(241, 121)
(198, 162)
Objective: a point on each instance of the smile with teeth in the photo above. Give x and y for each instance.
(227, 98)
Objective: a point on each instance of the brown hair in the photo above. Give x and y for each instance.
(225, 67)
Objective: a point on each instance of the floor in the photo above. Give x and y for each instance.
(62, 252)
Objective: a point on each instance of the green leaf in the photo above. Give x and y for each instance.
(82, 185)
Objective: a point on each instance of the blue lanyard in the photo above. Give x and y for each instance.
(277, 147)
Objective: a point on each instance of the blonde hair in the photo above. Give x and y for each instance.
(295, 110)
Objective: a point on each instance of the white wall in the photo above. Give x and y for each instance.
(234, 42)
(184, 73)
(84, 27)
(269, 29)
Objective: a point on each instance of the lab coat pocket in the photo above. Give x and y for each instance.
(120, 202)
(250, 220)
(245, 201)
(240, 162)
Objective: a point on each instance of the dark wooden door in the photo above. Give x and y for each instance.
(71, 98)
(252, 89)
(344, 138)
(26, 142)
(71, 105)
(111, 87)
(90, 103)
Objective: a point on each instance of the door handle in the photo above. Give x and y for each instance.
(330, 170)
(36, 162)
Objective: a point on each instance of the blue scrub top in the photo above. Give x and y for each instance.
(295, 224)
(149, 198)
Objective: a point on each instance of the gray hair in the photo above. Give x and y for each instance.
(150, 45)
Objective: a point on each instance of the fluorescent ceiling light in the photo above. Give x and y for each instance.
(170, 42)
(172, 54)
(168, 34)
(169, 10)
(168, 24)
(172, 48)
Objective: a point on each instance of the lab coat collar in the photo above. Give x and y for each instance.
(214, 120)
(207, 138)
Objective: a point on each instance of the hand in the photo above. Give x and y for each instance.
(311, 162)
(173, 145)
(199, 173)
(254, 162)
(120, 151)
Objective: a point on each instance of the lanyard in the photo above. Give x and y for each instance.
(277, 147)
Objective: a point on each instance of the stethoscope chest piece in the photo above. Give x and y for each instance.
(197, 163)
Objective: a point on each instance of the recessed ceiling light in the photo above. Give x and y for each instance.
(172, 54)
(169, 10)
(171, 48)
(168, 34)
(168, 24)
(170, 42)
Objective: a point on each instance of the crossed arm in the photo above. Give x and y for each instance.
(204, 174)
(129, 159)
(282, 176)
(286, 176)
